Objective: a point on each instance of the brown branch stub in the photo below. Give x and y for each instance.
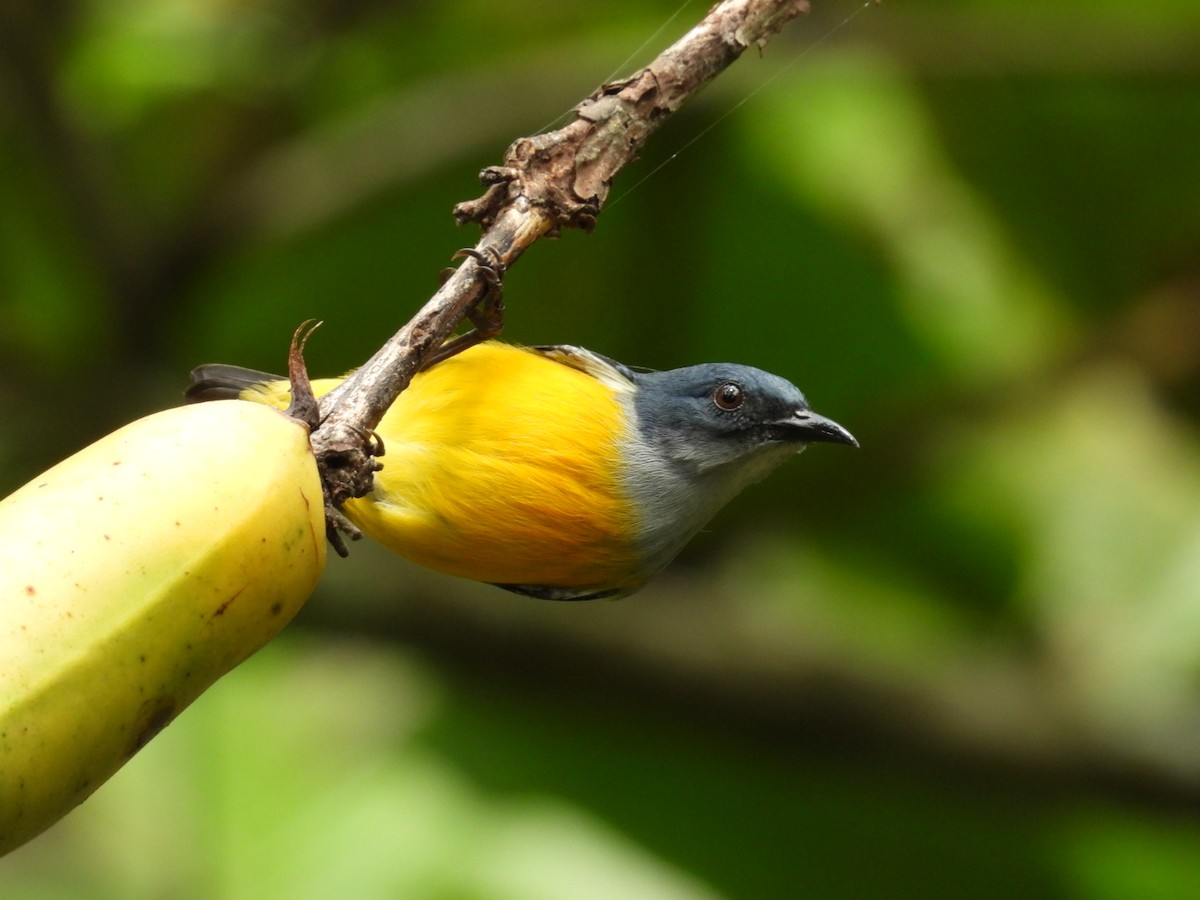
(547, 182)
(303, 405)
(567, 173)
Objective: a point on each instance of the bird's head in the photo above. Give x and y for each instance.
(720, 415)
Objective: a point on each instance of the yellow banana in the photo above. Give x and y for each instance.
(132, 576)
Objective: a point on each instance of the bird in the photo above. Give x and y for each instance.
(557, 472)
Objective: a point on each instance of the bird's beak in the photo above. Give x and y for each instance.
(805, 425)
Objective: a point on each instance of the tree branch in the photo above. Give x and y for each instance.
(547, 182)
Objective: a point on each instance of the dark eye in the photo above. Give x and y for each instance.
(729, 395)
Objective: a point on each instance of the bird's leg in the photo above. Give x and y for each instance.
(304, 408)
(486, 316)
(336, 522)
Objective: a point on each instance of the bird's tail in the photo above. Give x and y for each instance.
(217, 381)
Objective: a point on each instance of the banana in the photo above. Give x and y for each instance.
(132, 576)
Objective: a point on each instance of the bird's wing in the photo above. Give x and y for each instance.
(217, 381)
(618, 376)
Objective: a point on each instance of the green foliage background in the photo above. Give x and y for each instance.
(959, 662)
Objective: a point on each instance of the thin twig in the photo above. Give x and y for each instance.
(547, 182)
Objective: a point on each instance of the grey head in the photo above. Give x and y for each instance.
(703, 434)
(716, 415)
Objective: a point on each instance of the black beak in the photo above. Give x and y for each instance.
(806, 426)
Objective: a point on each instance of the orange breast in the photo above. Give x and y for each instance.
(503, 466)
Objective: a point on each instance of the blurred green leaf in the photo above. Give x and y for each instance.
(968, 231)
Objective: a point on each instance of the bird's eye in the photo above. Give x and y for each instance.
(729, 395)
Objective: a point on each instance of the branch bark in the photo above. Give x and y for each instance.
(546, 182)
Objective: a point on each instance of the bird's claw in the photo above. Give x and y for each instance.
(336, 525)
(491, 265)
(372, 441)
(486, 315)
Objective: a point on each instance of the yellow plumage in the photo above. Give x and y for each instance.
(502, 465)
